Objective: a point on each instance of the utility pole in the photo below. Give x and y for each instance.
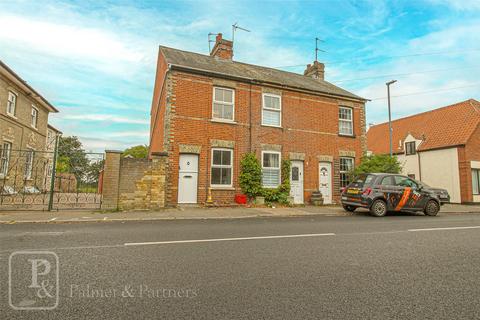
(390, 115)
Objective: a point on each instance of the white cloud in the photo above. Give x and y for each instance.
(100, 48)
(104, 118)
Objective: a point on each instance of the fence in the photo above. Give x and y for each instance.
(40, 180)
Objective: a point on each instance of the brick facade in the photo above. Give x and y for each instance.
(470, 152)
(309, 127)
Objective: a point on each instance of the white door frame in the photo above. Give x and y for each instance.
(190, 173)
(329, 199)
(298, 198)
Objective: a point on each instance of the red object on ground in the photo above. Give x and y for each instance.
(241, 199)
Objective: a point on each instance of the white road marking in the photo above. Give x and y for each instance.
(446, 228)
(230, 239)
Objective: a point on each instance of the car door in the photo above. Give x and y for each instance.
(402, 193)
(391, 192)
(411, 197)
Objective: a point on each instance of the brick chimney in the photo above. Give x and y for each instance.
(316, 71)
(223, 49)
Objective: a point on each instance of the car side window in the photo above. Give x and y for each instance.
(387, 181)
(405, 182)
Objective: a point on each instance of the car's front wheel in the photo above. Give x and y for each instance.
(349, 208)
(432, 208)
(378, 208)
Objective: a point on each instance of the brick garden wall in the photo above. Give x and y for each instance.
(134, 184)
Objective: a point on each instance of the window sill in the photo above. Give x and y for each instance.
(223, 121)
(28, 179)
(34, 128)
(12, 116)
(222, 188)
(3, 177)
(270, 187)
(271, 126)
(347, 135)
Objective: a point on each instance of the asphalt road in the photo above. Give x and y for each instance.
(354, 267)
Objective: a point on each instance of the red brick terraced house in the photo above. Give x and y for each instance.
(440, 147)
(208, 111)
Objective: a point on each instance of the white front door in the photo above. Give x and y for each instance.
(296, 181)
(325, 181)
(187, 178)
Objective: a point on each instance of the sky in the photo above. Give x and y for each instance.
(95, 60)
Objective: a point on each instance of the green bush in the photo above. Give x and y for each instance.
(251, 180)
(378, 163)
(250, 175)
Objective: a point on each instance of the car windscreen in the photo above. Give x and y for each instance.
(423, 184)
(362, 180)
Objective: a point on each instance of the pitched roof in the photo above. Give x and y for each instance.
(447, 126)
(6, 71)
(200, 62)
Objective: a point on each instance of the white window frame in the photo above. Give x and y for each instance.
(272, 168)
(345, 120)
(225, 103)
(222, 166)
(5, 158)
(413, 151)
(340, 171)
(9, 103)
(34, 125)
(476, 172)
(272, 109)
(29, 165)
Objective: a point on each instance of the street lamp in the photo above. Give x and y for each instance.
(390, 115)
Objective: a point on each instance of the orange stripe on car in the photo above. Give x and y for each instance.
(404, 199)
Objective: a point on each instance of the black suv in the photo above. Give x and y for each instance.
(383, 192)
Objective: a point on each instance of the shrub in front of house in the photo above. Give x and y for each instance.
(251, 181)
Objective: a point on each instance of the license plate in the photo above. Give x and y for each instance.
(352, 191)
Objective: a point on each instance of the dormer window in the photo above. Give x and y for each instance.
(410, 148)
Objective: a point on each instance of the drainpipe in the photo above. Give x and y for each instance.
(250, 116)
(419, 167)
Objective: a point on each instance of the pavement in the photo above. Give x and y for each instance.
(190, 212)
(312, 267)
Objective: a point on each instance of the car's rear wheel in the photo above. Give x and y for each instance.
(349, 208)
(378, 208)
(431, 208)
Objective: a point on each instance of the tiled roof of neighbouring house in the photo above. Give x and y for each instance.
(448, 126)
(243, 70)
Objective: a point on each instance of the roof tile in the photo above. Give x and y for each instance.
(443, 127)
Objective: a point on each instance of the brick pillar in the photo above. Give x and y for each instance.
(111, 179)
(158, 187)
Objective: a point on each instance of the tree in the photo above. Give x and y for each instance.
(71, 157)
(378, 163)
(139, 152)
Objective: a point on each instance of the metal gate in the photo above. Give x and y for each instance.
(40, 180)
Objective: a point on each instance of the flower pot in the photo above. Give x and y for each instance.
(260, 200)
